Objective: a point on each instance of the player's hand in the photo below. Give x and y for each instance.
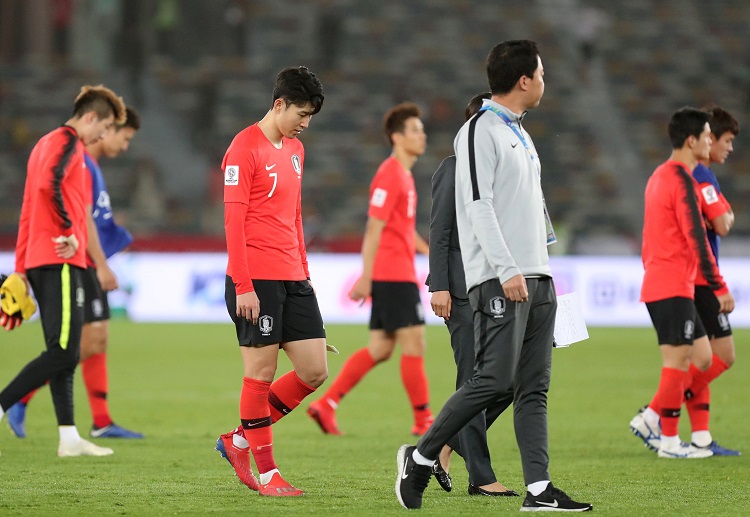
(248, 306)
(726, 303)
(65, 247)
(9, 322)
(361, 291)
(515, 289)
(107, 278)
(441, 304)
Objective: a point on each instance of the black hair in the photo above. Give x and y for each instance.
(298, 86)
(508, 61)
(132, 120)
(395, 119)
(686, 122)
(475, 103)
(721, 121)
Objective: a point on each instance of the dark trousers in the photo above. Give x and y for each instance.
(513, 352)
(471, 441)
(59, 294)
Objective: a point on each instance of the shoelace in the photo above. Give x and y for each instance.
(422, 475)
(557, 493)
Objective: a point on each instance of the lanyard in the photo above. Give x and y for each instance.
(551, 237)
(512, 127)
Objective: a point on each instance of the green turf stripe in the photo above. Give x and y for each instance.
(65, 328)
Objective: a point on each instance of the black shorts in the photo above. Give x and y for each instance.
(395, 305)
(58, 290)
(676, 321)
(288, 312)
(97, 306)
(716, 323)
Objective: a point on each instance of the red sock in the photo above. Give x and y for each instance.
(94, 370)
(255, 416)
(669, 399)
(285, 394)
(25, 400)
(356, 367)
(701, 379)
(415, 382)
(698, 395)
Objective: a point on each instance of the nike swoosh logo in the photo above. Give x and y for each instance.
(269, 167)
(514, 145)
(405, 474)
(553, 504)
(254, 424)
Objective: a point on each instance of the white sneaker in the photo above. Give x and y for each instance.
(651, 436)
(684, 451)
(82, 448)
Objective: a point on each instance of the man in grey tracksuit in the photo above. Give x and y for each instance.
(447, 283)
(504, 231)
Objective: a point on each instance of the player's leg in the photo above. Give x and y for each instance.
(719, 349)
(379, 349)
(304, 341)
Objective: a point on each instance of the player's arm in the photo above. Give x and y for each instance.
(301, 236)
(723, 223)
(22, 241)
(689, 215)
(475, 180)
(104, 273)
(66, 244)
(374, 229)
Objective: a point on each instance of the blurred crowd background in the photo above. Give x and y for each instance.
(199, 71)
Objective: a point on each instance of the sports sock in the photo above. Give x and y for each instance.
(285, 394)
(415, 382)
(538, 487)
(701, 438)
(255, 416)
(94, 370)
(26, 398)
(421, 460)
(68, 433)
(702, 379)
(669, 399)
(354, 369)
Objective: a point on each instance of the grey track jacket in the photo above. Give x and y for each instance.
(499, 202)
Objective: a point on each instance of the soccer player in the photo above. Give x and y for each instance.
(449, 300)
(504, 233)
(51, 255)
(268, 291)
(710, 358)
(389, 277)
(675, 248)
(105, 239)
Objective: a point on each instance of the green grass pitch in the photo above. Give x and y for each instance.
(179, 384)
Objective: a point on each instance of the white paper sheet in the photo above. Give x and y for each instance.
(569, 324)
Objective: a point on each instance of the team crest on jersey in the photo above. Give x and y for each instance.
(265, 324)
(689, 329)
(710, 195)
(231, 175)
(297, 164)
(378, 197)
(497, 306)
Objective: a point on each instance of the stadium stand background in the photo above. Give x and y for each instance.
(201, 71)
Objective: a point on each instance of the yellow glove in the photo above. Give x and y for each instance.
(15, 298)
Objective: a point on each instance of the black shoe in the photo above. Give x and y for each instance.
(475, 490)
(412, 478)
(443, 478)
(553, 500)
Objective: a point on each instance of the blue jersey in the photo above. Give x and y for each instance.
(702, 175)
(113, 238)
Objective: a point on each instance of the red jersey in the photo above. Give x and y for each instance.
(263, 209)
(393, 199)
(675, 246)
(55, 197)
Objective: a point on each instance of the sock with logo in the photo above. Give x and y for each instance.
(255, 416)
(415, 381)
(354, 369)
(285, 394)
(94, 370)
(669, 399)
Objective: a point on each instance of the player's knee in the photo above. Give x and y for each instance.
(702, 363)
(381, 355)
(314, 377)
